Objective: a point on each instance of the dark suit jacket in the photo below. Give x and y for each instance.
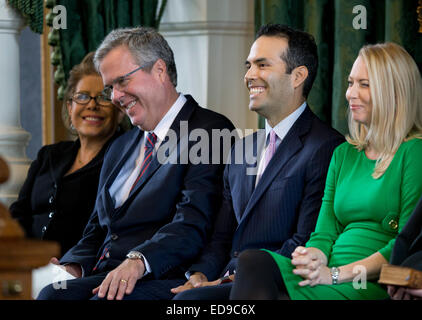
(167, 216)
(407, 250)
(281, 212)
(53, 206)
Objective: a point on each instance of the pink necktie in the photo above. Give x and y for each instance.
(271, 148)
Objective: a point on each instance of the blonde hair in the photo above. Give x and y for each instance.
(396, 94)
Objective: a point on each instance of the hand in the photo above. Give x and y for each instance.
(309, 258)
(311, 265)
(121, 280)
(402, 293)
(416, 294)
(73, 268)
(320, 275)
(198, 280)
(195, 281)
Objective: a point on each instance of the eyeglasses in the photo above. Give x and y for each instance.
(84, 99)
(120, 82)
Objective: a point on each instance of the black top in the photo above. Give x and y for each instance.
(407, 250)
(53, 206)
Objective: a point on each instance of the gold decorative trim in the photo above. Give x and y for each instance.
(52, 124)
(419, 11)
(47, 89)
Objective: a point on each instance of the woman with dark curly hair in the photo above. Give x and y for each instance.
(59, 193)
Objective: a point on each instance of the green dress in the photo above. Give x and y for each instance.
(359, 216)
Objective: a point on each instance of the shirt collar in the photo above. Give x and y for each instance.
(163, 126)
(283, 127)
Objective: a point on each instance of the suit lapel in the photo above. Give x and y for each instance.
(128, 148)
(291, 144)
(255, 146)
(184, 115)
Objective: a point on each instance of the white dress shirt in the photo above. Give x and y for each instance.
(120, 189)
(280, 129)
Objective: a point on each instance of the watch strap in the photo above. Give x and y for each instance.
(334, 275)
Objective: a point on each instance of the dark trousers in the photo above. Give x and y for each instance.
(76, 289)
(81, 289)
(258, 278)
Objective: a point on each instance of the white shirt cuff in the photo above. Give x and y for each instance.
(147, 266)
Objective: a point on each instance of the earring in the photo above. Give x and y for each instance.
(72, 126)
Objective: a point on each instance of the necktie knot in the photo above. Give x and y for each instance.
(150, 141)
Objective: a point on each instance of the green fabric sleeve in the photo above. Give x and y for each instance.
(328, 228)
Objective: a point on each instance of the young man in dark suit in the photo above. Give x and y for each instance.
(152, 217)
(276, 207)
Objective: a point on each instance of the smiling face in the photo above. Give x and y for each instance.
(270, 87)
(92, 120)
(141, 94)
(358, 93)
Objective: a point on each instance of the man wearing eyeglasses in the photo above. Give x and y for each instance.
(151, 219)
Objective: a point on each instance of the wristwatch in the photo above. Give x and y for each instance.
(188, 274)
(134, 255)
(225, 279)
(334, 274)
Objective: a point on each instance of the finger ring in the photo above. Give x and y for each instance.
(123, 280)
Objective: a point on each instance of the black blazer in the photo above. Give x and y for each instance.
(167, 216)
(280, 213)
(52, 206)
(407, 250)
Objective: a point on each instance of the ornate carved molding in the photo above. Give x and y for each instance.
(195, 28)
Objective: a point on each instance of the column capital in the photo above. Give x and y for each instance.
(10, 19)
(13, 139)
(235, 28)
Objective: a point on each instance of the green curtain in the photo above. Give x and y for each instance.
(89, 21)
(331, 23)
(32, 11)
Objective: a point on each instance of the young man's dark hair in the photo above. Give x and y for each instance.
(302, 50)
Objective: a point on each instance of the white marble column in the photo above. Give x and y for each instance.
(13, 139)
(211, 41)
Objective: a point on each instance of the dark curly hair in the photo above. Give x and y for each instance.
(85, 68)
(302, 50)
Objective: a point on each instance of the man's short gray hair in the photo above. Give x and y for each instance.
(146, 46)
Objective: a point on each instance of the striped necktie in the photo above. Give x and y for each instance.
(150, 141)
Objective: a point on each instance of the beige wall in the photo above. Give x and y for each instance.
(211, 40)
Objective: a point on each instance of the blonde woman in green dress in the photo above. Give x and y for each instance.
(373, 184)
